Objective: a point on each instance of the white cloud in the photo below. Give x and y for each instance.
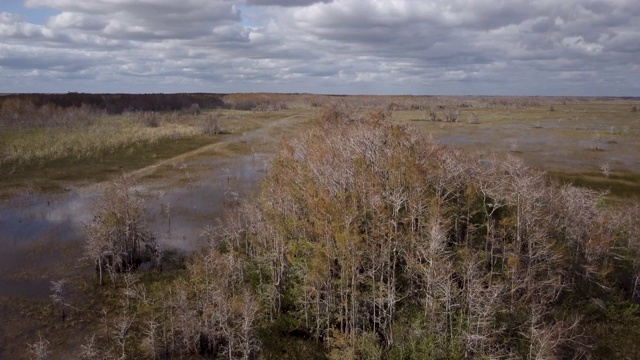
(73, 20)
(355, 46)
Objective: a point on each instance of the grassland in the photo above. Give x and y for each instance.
(48, 158)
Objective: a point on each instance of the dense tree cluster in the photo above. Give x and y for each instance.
(118, 240)
(380, 243)
(373, 242)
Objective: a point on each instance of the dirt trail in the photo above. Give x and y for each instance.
(264, 135)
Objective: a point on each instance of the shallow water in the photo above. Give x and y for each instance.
(179, 215)
(39, 234)
(30, 217)
(41, 238)
(42, 235)
(37, 228)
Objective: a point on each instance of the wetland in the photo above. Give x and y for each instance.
(189, 178)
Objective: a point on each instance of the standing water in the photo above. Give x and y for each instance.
(42, 235)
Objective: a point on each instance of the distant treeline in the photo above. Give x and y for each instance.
(119, 103)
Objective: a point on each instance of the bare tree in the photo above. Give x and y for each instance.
(150, 342)
(40, 349)
(58, 297)
(118, 240)
(89, 350)
(605, 169)
(121, 333)
(363, 228)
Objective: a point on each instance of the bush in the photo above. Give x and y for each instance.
(193, 109)
(149, 119)
(373, 242)
(210, 125)
(118, 239)
(23, 113)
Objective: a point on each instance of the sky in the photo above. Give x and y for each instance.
(420, 47)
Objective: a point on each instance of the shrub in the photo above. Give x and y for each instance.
(337, 114)
(210, 125)
(375, 242)
(193, 109)
(23, 113)
(245, 105)
(118, 239)
(149, 119)
(450, 115)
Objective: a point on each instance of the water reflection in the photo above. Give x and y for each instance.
(34, 217)
(37, 227)
(179, 215)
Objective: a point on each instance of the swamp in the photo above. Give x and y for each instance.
(319, 226)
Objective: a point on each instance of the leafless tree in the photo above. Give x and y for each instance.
(58, 297)
(118, 239)
(40, 349)
(605, 169)
(150, 342)
(362, 225)
(451, 115)
(89, 350)
(121, 333)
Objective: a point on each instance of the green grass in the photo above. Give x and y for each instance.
(620, 186)
(614, 327)
(48, 159)
(53, 175)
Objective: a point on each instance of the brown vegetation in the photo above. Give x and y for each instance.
(118, 240)
(369, 241)
(372, 240)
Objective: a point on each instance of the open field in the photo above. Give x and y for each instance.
(191, 166)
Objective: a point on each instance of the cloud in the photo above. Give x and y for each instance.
(141, 19)
(354, 46)
(14, 26)
(72, 20)
(286, 3)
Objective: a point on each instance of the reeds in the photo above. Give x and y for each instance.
(103, 135)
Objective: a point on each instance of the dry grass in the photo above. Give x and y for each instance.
(50, 158)
(40, 145)
(107, 134)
